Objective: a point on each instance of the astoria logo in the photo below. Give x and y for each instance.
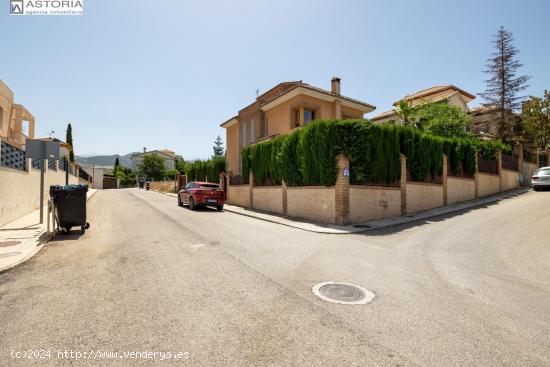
(47, 7)
(16, 7)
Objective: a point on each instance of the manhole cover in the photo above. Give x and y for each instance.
(343, 293)
(361, 226)
(10, 254)
(9, 243)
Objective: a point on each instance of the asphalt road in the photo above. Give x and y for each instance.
(472, 289)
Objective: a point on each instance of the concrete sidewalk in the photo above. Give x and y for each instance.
(24, 237)
(378, 223)
(370, 225)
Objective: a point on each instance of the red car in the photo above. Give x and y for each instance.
(201, 194)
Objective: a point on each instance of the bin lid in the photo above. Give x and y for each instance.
(69, 188)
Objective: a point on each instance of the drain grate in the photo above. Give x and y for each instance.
(9, 254)
(9, 243)
(343, 293)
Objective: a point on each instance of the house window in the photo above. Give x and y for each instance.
(296, 117)
(252, 130)
(244, 135)
(309, 115)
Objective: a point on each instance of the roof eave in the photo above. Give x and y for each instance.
(301, 89)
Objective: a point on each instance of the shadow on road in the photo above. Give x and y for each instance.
(73, 235)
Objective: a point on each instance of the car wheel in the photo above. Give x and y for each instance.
(179, 201)
(535, 188)
(191, 203)
(219, 208)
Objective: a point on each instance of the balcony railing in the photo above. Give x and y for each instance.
(266, 138)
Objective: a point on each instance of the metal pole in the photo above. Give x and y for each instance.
(66, 171)
(42, 183)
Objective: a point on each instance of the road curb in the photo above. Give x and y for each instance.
(396, 221)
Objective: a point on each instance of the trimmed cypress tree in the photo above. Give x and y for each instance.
(69, 140)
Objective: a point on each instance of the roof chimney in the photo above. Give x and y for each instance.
(144, 150)
(335, 85)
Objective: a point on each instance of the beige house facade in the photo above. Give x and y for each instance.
(16, 122)
(481, 121)
(450, 94)
(166, 154)
(283, 108)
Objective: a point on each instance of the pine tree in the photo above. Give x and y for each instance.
(69, 140)
(218, 148)
(503, 85)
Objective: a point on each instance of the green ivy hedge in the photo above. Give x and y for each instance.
(209, 169)
(307, 155)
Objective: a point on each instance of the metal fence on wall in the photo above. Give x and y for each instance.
(487, 165)
(52, 165)
(509, 162)
(11, 156)
(36, 163)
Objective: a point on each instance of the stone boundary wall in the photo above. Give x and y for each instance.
(510, 180)
(315, 203)
(423, 196)
(238, 195)
(345, 203)
(460, 189)
(20, 190)
(373, 202)
(268, 199)
(488, 184)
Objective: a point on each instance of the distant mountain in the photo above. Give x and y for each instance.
(105, 160)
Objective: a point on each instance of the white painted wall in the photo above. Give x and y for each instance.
(20, 191)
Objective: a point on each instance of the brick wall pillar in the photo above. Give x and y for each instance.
(476, 177)
(284, 198)
(499, 162)
(403, 185)
(342, 191)
(251, 190)
(444, 178)
(223, 184)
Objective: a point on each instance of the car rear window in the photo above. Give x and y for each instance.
(210, 186)
(543, 172)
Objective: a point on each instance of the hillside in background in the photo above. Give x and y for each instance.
(106, 160)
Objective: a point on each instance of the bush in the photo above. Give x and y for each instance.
(205, 170)
(307, 155)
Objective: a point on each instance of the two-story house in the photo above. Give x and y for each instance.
(481, 120)
(283, 108)
(167, 155)
(450, 94)
(16, 123)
